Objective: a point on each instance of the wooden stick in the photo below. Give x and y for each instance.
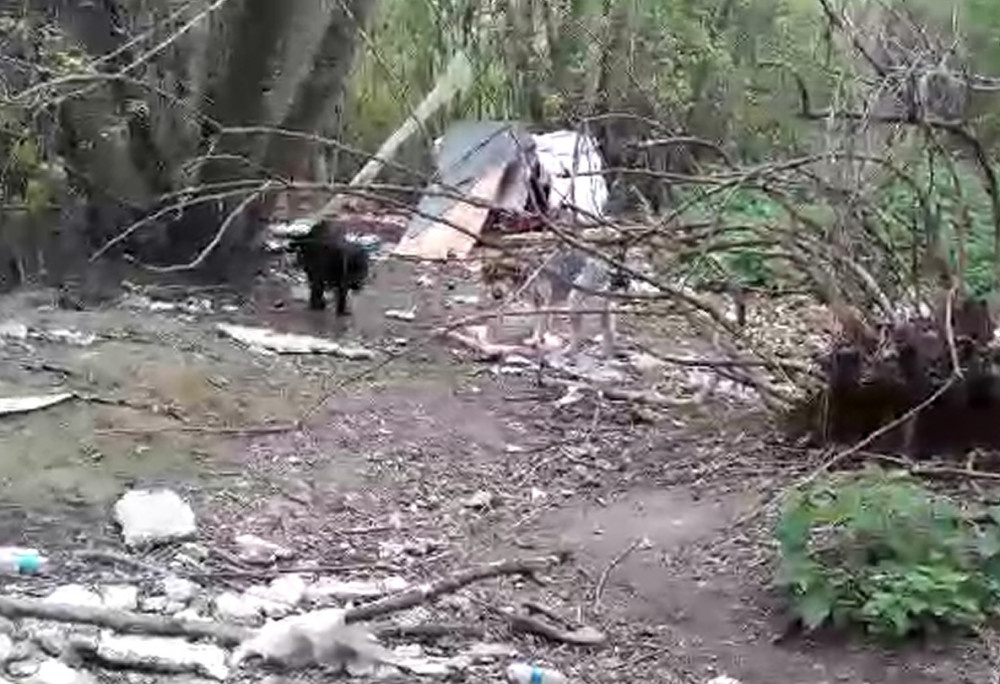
(123, 621)
(428, 592)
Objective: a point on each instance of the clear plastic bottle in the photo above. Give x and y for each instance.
(523, 673)
(20, 561)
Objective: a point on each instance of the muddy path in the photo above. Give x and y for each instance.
(435, 461)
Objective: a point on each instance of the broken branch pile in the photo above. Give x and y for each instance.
(945, 362)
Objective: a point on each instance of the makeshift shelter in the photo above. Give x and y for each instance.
(575, 166)
(489, 161)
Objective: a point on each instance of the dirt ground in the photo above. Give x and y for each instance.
(644, 501)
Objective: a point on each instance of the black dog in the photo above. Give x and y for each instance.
(331, 262)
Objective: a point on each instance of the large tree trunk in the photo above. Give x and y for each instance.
(258, 64)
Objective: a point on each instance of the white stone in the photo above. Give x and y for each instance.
(148, 516)
(75, 595)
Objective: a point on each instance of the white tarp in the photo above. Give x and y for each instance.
(583, 187)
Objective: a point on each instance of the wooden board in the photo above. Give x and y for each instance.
(440, 240)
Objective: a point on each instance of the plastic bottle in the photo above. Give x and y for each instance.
(523, 673)
(20, 561)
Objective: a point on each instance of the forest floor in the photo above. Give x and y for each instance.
(433, 461)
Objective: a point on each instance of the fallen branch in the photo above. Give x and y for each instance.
(123, 621)
(428, 592)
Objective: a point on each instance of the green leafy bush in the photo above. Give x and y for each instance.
(879, 550)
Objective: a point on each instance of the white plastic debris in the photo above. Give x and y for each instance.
(120, 596)
(486, 651)
(291, 228)
(574, 162)
(525, 673)
(52, 671)
(316, 638)
(163, 654)
(723, 680)
(154, 604)
(178, 589)
(6, 648)
(330, 588)
(11, 405)
(267, 340)
(481, 499)
(71, 337)
(13, 330)
(148, 516)
(402, 315)
(230, 607)
(75, 595)
(253, 549)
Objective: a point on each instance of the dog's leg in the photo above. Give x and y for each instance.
(342, 309)
(539, 302)
(607, 329)
(575, 321)
(317, 302)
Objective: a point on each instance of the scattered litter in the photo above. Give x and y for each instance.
(154, 604)
(178, 589)
(51, 671)
(574, 393)
(408, 315)
(6, 648)
(75, 595)
(486, 652)
(481, 499)
(417, 548)
(538, 495)
(148, 516)
(723, 680)
(266, 340)
(162, 654)
(253, 549)
(425, 280)
(120, 596)
(13, 330)
(13, 405)
(71, 337)
(316, 638)
(465, 299)
(523, 673)
(330, 588)
(15, 560)
(292, 228)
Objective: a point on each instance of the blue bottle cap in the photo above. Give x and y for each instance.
(29, 564)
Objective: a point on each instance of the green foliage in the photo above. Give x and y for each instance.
(879, 550)
(961, 214)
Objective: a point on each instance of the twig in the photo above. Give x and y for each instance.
(428, 592)
(217, 239)
(606, 574)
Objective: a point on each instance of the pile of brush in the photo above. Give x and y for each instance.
(939, 371)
